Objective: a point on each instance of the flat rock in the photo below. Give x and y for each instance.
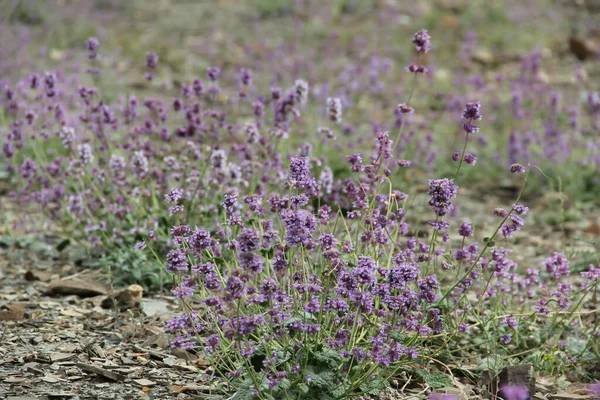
(80, 287)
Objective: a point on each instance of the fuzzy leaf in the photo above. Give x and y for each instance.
(329, 357)
(324, 379)
(245, 391)
(374, 386)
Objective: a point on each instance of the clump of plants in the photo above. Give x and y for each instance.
(291, 295)
(283, 216)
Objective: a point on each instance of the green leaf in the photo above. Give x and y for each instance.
(329, 357)
(245, 391)
(63, 245)
(489, 242)
(374, 386)
(303, 388)
(437, 380)
(323, 379)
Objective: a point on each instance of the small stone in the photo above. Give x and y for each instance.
(144, 382)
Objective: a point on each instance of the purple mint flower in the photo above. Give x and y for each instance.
(334, 109)
(234, 288)
(592, 274)
(246, 77)
(506, 338)
(28, 169)
(465, 230)
(404, 109)
(500, 212)
(301, 90)
(517, 168)
(470, 159)
(313, 306)
(470, 128)
(384, 145)
(139, 164)
(174, 195)
(92, 45)
(84, 151)
(9, 149)
(251, 262)
(67, 136)
(557, 265)
(417, 69)
(182, 291)
(300, 225)
(176, 261)
(151, 60)
(213, 73)
(594, 388)
(510, 322)
(176, 209)
(441, 226)
(472, 111)
(300, 176)
(422, 41)
(140, 246)
(249, 240)
(441, 192)
(401, 274)
(514, 392)
(520, 209)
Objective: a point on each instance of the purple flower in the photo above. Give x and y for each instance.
(465, 230)
(520, 209)
(28, 169)
(334, 109)
(313, 306)
(140, 246)
(441, 226)
(557, 265)
(441, 192)
(470, 128)
(470, 159)
(151, 60)
(92, 45)
(176, 261)
(301, 90)
(422, 41)
(472, 111)
(514, 392)
(506, 338)
(84, 152)
(510, 322)
(417, 69)
(251, 262)
(246, 77)
(213, 73)
(594, 388)
(404, 109)
(300, 176)
(249, 239)
(234, 288)
(299, 226)
(517, 168)
(174, 195)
